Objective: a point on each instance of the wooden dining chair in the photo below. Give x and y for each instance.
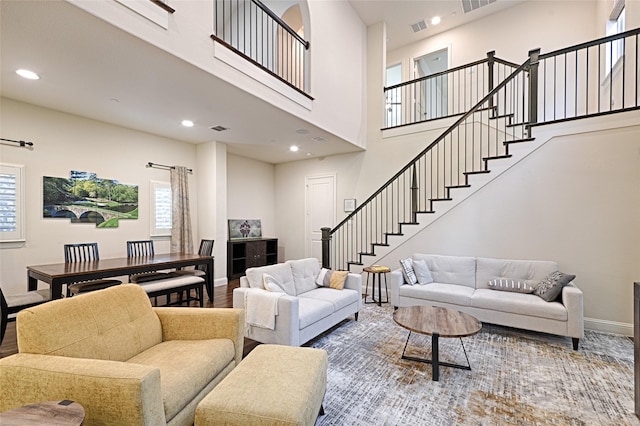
(139, 248)
(14, 303)
(84, 252)
(206, 248)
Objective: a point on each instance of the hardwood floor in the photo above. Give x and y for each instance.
(222, 298)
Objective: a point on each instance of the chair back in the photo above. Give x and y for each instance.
(140, 248)
(206, 248)
(81, 252)
(4, 315)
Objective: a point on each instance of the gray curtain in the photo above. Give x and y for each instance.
(181, 237)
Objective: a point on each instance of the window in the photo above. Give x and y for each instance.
(615, 25)
(11, 203)
(160, 209)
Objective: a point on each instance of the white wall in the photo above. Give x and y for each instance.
(66, 142)
(251, 192)
(547, 25)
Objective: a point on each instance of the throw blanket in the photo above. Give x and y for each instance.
(261, 308)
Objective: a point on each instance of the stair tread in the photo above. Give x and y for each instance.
(380, 244)
(497, 157)
(519, 140)
(458, 186)
(477, 172)
(440, 199)
(408, 223)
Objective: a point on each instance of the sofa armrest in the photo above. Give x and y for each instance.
(354, 282)
(396, 279)
(111, 392)
(287, 328)
(201, 324)
(572, 299)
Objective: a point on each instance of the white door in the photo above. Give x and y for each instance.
(320, 211)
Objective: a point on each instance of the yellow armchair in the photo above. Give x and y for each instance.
(125, 362)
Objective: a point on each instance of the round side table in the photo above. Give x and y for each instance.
(376, 271)
(50, 413)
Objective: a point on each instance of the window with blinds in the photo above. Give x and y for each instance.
(615, 25)
(11, 203)
(160, 209)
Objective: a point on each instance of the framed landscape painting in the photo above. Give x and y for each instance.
(85, 198)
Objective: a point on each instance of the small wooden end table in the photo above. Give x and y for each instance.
(437, 322)
(50, 413)
(377, 271)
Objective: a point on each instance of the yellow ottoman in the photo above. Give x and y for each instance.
(273, 385)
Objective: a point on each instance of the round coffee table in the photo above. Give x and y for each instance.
(436, 322)
(51, 413)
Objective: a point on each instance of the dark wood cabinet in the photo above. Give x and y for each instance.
(243, 254)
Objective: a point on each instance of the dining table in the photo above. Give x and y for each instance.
(59, 274)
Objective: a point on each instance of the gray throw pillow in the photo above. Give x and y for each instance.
(551, 287)
(423, 275)
(408, 272)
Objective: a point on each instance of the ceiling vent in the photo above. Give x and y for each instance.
(219, 128)
(471, 5)
(419, 26)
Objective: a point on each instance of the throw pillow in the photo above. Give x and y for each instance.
(505, 284)
(551, 287)
(423, 274)
(408, 272)
(332, 279)
(271, 284)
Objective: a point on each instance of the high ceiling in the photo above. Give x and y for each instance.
(92, 69)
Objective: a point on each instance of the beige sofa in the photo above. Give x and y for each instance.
(126, 362)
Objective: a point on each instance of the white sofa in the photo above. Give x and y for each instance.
(306, 310)
(461, 283)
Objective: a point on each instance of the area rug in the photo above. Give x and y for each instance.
(517, 377)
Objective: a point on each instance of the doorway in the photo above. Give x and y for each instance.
(320, 211)
(432, 94)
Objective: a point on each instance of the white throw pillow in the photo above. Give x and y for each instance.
(271, 284)
(408, 272)
(423, 274)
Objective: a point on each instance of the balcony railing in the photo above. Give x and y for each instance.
(256, 33)
(444, 94)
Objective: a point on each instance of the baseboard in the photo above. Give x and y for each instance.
(220, 282)
(605, 326)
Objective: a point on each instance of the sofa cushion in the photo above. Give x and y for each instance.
(280, 271)
(450, 269)
(113, 324)
(339, 299)
(439, 292)
(305, 272)
(532, 271)
(311, 310)
(551, 286)
(518, 303)
(186, 367)
(271, 284)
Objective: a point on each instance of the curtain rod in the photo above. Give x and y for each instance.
(162, 166)
(21, 143)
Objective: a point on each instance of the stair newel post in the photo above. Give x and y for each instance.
(534, 62)
(326, 240)
(414, 194)
(490, 76)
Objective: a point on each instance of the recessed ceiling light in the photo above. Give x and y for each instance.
(302, 131)
(187, 123)
(435, 20)
(30, 75)
(293, 148)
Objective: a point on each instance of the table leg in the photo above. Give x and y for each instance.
(209, 280)
(32, 282)
(435, 364)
